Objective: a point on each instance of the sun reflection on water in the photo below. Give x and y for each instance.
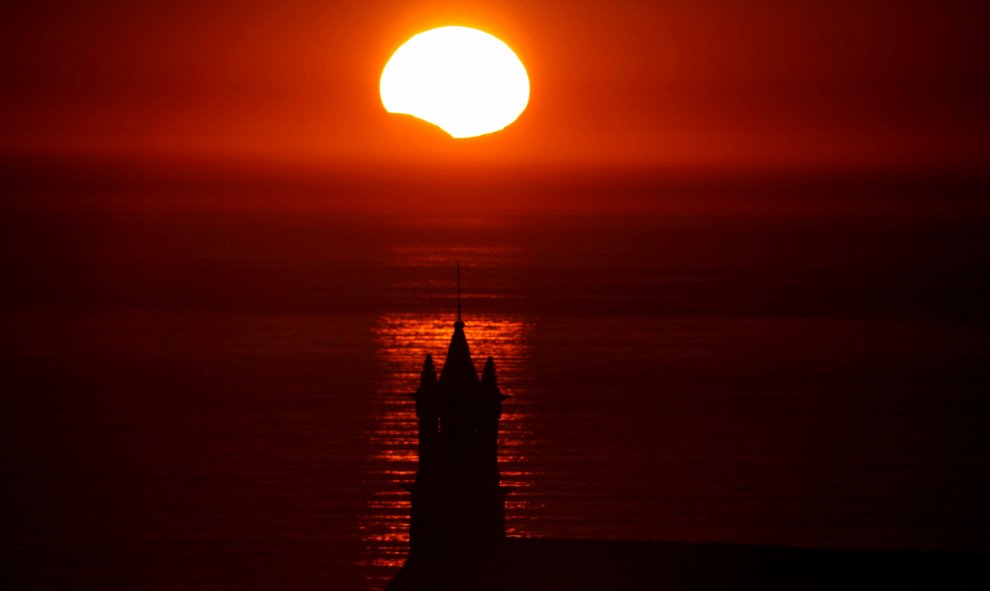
(403, 340)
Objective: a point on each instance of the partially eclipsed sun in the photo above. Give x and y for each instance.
(464, 81)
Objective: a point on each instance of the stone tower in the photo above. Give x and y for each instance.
(458, 506)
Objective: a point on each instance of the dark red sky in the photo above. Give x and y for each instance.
(762, 85)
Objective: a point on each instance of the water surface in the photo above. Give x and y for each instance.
(221, 401)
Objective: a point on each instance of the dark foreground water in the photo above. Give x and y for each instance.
(196, 400)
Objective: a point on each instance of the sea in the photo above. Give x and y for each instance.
(220, 398)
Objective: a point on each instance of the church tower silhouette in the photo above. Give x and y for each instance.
(458, 505)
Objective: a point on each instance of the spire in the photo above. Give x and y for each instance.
(458, 369)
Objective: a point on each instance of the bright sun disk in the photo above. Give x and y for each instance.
(462, 80)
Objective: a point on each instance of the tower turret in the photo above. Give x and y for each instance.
(428, 412)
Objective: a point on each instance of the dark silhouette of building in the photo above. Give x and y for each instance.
(457, 519)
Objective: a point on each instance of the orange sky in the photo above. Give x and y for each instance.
(705, 84)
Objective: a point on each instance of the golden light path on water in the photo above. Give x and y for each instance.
(402, 342)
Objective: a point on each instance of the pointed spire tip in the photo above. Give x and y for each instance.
(459, 291)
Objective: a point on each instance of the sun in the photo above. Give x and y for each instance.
(464, 81)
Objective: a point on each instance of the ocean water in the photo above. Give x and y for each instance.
(220, 400)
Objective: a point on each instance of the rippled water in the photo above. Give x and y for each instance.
(205, 403)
